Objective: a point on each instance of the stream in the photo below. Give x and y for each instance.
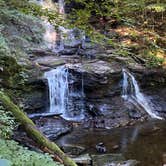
(129, 122)
(144, 142)
(141, 142)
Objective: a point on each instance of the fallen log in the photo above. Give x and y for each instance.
(33, 132)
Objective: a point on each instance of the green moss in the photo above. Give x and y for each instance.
(12, 152)
(18, 33)
(23, 26)
(11, 72)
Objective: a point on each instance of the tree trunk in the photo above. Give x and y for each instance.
(33, 132)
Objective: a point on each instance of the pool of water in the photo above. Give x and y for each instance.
(145, 142)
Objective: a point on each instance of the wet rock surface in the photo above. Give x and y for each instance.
(101, 78)
(125, 145)
(73, 150)
(99, 71)
(35, 100)
(106, 159)
(123, 163)
(83, 159)
(53, 127)
(49, 61)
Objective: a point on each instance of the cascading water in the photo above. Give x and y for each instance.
(50, 35)
(68, 37)
(60, 95)
(132, 94)
(58, 89)
(61, 7)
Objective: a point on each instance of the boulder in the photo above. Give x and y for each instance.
(106, 159)
(73, 150)
(112, 160)
(123, 163)
(83, 159)
(53, 127)
(49, 61)
(68, 51)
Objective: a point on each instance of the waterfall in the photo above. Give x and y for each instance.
(58, 89)
(50, 35)
(69, 37)
(61, 96)
(61, 7)
(131, 93)
(66, 37)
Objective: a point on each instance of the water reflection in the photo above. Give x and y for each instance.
(143, 142)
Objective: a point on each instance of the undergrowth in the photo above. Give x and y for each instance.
(17, 155)
(13, 154)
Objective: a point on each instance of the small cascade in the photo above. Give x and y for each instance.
(132, 94)
(58, 89)
(50, 35)
(62, 96)
(56, 41)
(68, 37)
(61, 4)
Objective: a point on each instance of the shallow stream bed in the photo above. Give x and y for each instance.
(145, 142)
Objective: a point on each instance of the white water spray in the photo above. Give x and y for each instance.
(58, 89)
(60, 95)
(61, 4)
(68, 36)
(50, 35)
(132, 94)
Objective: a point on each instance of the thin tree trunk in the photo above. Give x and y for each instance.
(33, 132)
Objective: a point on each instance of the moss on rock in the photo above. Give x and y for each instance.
(18, 33)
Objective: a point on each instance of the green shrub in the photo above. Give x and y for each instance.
(21, 156)
(154, 61)
(7, 123)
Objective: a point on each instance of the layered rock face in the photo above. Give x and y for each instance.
(93, 69)
(101, 77)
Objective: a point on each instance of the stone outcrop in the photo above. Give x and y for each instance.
(102, 85)
(97, 69)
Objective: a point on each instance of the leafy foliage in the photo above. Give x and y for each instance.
(18, 32)
(153, 60)
(33, 9)
(159, 7)
(19, 156)
(4, 49)
(7, 123)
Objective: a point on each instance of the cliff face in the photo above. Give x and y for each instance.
(24, 58)
(101, 73)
